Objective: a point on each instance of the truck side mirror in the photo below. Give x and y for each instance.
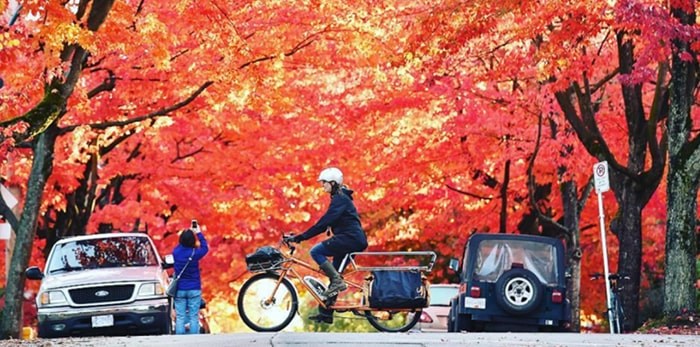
(454, 264)
(168, 261)
(33, 273)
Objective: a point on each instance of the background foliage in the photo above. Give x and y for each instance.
(422, 104)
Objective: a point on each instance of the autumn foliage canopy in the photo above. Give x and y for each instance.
(438, 113)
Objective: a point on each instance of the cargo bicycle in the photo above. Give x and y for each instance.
(268, 301)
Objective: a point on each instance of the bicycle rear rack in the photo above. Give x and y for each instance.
(423, 267)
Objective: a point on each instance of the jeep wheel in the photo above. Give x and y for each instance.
(464, 323)
(518, 291)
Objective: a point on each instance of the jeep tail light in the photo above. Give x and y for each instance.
(557, 297)
(475, 291)
(462, 288)
(425, 317)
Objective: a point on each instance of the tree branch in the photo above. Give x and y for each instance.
(585, 194)
(179, 156)
(467, 193)
(162, 112)
(107, 84)
(605, 80)
(299, 46)
(531, 180)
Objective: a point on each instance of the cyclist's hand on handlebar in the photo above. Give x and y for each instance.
(291, 238)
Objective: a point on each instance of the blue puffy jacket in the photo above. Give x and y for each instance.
(342, 217)
(191, 278)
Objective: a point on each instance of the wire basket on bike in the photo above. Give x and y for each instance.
(264, 259)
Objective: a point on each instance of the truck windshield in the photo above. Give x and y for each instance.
(494, 257)
(102, 253)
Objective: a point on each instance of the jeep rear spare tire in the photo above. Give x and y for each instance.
(518, 291)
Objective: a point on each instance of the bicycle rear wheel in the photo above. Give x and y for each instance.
(261, 314)
(393, 321)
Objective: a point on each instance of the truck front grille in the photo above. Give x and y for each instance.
(102, 294)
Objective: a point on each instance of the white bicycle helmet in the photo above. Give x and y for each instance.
(331, 174)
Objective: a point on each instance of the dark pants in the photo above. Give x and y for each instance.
(320, 254)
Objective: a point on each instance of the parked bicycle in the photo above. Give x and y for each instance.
(616, 313)
(268, 300)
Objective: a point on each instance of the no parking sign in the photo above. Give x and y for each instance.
(602, 178)
(602, 184)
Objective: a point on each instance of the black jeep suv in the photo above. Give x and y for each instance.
(511, 282)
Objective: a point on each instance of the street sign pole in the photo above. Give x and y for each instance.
(602, 184)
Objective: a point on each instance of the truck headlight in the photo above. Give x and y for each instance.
(150, 289)
(52, 297)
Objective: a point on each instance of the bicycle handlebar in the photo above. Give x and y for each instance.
(286, 242)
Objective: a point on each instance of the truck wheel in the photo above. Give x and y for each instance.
(518, 291)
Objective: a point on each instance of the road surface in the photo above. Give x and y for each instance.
(411, 339)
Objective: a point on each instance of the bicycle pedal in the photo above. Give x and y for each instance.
(332, 295)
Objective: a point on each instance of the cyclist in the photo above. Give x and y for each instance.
(343, 221)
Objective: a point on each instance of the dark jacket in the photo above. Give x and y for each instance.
(344, 221)
(191, 278)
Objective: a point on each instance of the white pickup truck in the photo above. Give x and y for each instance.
(103, 284)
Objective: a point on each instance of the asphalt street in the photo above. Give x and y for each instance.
(374, 340)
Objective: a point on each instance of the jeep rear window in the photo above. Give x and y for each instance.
(102, 253)
(494, 257)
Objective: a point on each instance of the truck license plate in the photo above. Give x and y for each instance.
(102, 321)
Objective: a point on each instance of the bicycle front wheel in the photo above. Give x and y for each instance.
(393, 321)
(262, 308)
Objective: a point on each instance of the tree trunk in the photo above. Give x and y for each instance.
(679, 289)
(502, 225)
(633, 184)
(682, 187)
(43, 146)
(571, 222)
(72, 219)
(629, 263)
